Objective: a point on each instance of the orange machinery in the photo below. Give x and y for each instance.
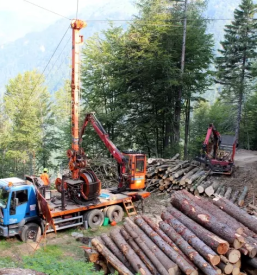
(81, 184)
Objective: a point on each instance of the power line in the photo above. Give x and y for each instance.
(49, 61)
(46, 9)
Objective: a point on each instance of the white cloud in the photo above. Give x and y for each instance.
(42, 48)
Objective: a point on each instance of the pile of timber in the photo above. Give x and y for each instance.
(194, 237)
(166, 175)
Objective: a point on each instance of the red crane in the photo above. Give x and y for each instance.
(218, 151)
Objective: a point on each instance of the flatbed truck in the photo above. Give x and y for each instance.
(28, 210)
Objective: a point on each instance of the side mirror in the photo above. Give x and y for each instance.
(16, 201)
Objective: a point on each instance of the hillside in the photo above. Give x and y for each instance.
(34, 49)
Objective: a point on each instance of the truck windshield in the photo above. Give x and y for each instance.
(3, 198)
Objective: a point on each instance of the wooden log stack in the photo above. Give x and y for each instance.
(195, 236)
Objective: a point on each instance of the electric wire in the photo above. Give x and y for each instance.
(49, 61)
(47, 9)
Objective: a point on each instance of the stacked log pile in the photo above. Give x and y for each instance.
(166, 175)
(195, 236)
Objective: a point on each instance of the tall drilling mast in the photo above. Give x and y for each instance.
(77, 161)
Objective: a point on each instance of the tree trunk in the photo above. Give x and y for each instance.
(242, 197)
(114, 261)
(234, 196)
(228, 193)
(203, 217)
(184, 179)
(129, 253)
(153, 258)
(195, 176)
(187, 123)
(187, 249)
(209, 191)
(203, 186)
(115, 250)
(192, 239)
(237, 213)
(233, 255)
(140, 253)
(166, 262)
(157, 229)
(226, 268)
(181, 172)
(217, 244)
(174, 256)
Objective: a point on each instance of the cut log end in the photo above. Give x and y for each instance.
(236, 271)
(237, 244)
(223, 248)
(214, 259)
(233, 256)
(228, 269)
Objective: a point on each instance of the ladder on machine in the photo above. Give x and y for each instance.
(129, 207)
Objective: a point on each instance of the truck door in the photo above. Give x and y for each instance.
(21, 206)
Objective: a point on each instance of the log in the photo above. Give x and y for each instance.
(129, 253)
(199, 181)
(149, 253)
(115, 250)
(195, 176)
(228, 193)
(209, 191)
(114, 261)
(187, 249)
(233, 255)
(91, 255)
(181, 172)
(224, 259)
(156, 228)
(180, 165)
(203, 217)
(236, 271)
(242, 197)
(165, 260)
(203, 186)
(192, 239)
(216, 243)
(174, 256)
(218, 190)
(183, 180)
(226, 268)
(175, 157)
(252, 262)
(216, 212)
(138, 251)
(234, 196)
(237, 213)
(222, 191)
(238, 264)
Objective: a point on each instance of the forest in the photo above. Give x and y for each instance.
(134, 81)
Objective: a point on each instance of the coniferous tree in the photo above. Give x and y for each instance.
(234, 65)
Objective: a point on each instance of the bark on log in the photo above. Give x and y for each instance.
(203, 217)
(129, 253)
(174, 256)
(222, 191)
(216, 243)
(216, 212)
(183, 180)
(242, 197)
(139, 252)
(234, 196)
(181, 172)
(115, 262)
(187, 249)
(218, 190)
(199, 181)
(209, 191)
(252, 262)
(169, 265)
(115, 250)
(226, 268)
(228, 193)
(224, 259)
(195, 177)
(149, 253)
(184, 163)
(156, 228)
(192, 239)
(233, 255)
(237, 213)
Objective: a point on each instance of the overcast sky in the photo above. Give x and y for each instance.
(18, 17)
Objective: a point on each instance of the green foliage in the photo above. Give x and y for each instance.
(53, 261)
(132, 78)
(235, 63)
(7, 262)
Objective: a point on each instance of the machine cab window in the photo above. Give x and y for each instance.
(18, 198)
(140, 164)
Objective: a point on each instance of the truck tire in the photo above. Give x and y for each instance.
(95, 218)
(115, 213)
(31, 231)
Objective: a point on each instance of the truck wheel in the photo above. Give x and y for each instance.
(30, 231)
(105, 211)
(95, 218)
(115, 213)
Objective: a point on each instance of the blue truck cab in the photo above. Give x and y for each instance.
(19, 209)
